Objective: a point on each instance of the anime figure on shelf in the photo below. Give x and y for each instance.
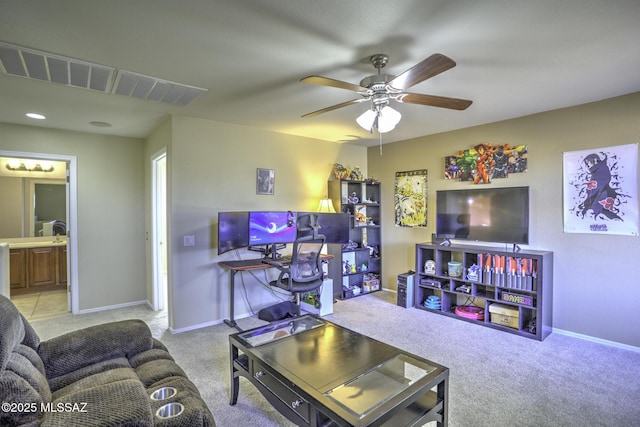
(600, 196)
(340, 172)
(356, 174)
(347, 267)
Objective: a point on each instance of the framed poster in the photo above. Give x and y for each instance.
(265, 181)
(601, 190)
(411, 198)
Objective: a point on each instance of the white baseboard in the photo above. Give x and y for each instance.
(204, 325)
(112, 307)
(597, 340)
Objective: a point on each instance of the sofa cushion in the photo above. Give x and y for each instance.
(96, 380)
(118, 403)
(148, 356)
(22, 375)
(75, 350)
(87, 371)
(12, 330)
(25, 363)
(156, 370)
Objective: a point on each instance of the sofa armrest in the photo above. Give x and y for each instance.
(95, 344)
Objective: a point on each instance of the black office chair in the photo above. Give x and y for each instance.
(304, 273)
(59, 228)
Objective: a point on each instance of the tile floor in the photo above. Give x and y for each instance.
(42, 305)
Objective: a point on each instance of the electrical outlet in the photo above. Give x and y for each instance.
(189, 241)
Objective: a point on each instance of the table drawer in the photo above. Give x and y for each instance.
(289, 397)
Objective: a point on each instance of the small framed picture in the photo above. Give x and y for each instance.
(265, 181)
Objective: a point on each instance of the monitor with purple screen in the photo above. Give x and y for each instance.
(268, 228)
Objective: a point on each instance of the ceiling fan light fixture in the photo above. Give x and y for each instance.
(367, 119)
(388, 119)
(383, 120)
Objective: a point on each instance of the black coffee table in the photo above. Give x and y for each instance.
(317, 373)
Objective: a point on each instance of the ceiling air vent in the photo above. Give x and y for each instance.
(33, 64)
(153, 89)
(29, 63)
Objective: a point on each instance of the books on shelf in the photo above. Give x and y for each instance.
(508, 271)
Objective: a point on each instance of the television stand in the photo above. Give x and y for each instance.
(512, 288)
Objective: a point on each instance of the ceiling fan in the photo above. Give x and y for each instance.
(380, 89)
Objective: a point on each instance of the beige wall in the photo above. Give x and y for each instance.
(595, 284)
(213, 168)
(110, 227)
(11, 207)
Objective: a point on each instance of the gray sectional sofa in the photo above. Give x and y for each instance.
(114, 374)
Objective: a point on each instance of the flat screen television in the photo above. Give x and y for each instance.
(484, 214)
(233, 231)
(334, 226)
(272, 227)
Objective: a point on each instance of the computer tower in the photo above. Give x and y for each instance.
(405, 290)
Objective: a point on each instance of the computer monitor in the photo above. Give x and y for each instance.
(273, 227)
(233, 231)
(334, 226)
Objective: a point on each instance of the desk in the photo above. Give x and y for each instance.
(245, 265)
(317, 373)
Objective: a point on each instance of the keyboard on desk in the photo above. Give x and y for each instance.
(280, 261)
(245, 262)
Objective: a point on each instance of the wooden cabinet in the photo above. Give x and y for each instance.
(360, 267)
(42, 266)
(62, 265)
(18, 268)
(38, 269)
(501, 289)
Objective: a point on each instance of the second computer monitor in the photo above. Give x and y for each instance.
(268, 228)
(334, 226)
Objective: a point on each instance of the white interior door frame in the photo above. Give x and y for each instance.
(72, 216)
(159, 229)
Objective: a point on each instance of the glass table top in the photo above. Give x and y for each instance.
(279, 330)
(363, 394)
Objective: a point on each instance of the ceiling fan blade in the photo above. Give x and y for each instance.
(334, 107)
(325, 81)
(432, 66)
(434, 101)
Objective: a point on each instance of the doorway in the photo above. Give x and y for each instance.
(159, 230)
(70, 181)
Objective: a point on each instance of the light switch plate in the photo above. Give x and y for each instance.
(189, 241)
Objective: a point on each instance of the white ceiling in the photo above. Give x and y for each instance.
(513, 58)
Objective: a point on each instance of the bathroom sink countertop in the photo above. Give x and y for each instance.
(34, 242)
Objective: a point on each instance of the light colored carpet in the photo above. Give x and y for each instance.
(496, 379)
